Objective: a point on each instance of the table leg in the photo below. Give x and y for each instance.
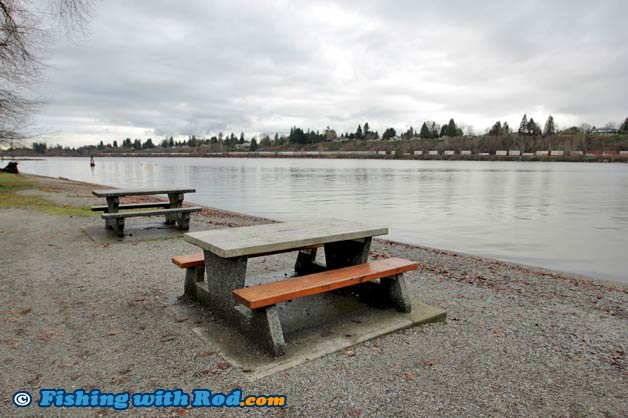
(265, 326)
(347, 253)
(395, 293)
(113, 206)
(224, 275)
(306, 262)
(176, 201)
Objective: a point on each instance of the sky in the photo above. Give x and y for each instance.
(152, 68)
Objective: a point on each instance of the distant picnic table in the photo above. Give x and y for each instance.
(217, 276)
(173, 209)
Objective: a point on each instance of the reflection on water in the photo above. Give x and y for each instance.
(567, 216)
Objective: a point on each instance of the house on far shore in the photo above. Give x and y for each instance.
(605, 131)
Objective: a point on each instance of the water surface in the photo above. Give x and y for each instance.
(566, 216)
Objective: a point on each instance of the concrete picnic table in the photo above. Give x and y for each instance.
(173, 209)
(226, 251)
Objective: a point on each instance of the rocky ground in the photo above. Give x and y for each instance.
(519, 341)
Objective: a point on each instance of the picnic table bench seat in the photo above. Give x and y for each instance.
(180, 215)
(268, 294)
(105, 208)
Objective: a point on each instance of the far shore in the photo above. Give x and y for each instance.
(381, 155)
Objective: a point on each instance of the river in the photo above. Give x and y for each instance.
(565, 216)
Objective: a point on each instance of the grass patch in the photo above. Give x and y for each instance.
(11, 184)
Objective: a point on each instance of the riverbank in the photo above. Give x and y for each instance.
(378, 155)
(519, 341)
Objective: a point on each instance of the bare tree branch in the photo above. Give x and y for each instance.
(22, 36)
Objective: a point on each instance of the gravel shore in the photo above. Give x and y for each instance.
(519, 341)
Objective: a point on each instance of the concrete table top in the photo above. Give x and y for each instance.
(250, 240)
(139, 192)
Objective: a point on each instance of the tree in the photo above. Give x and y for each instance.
(265, 142)
(253, 144)
(358, 133)
(23, 28)
(624, 126)
(242, 139)
(452, 129)
(443, 130)
(550, 128)
(389, 133)
(366, 129)
(148, 144)
(330, 134)
(40, 147)
(297, 136)
(425, 131)
(523, 126)
(115, 143)
(496, 129)
(533, 128)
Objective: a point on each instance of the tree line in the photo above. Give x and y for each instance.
(298, 136)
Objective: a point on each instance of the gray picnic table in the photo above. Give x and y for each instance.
(173, 209)
(222, 277)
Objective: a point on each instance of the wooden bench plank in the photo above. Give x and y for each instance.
(268, 294)
(198, 259)
(149, 212)
(133, 206)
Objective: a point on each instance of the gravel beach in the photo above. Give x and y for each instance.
(519, 341)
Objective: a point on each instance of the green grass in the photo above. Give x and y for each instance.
(11, 184)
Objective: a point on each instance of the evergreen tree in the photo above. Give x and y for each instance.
(549, 128)
(425, 131)
(496, 129)
(148, 144)
(506, 128)
(242, 139)
(389, 133)
(523, 126)
(115, 143)
(452, 129)
(366, 129)
(434, 129)
(533, 128)
(443, 131)
(358, 133)
(253, 144)
(624, 126)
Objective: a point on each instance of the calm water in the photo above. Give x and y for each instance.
(565, 216)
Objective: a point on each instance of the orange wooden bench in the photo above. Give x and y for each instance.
(262, 299)
(262, 295)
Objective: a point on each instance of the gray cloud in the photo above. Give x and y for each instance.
(148, 68)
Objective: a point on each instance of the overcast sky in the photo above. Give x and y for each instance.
(155, 68)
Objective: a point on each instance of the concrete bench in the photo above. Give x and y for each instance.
(105, 208)
(180, 215)
(262, 299)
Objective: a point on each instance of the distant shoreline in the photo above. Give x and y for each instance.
(378, 155)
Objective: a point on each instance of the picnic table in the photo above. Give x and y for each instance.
(172, 209)
(218, 277)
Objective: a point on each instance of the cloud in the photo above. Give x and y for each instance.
(202, 67)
